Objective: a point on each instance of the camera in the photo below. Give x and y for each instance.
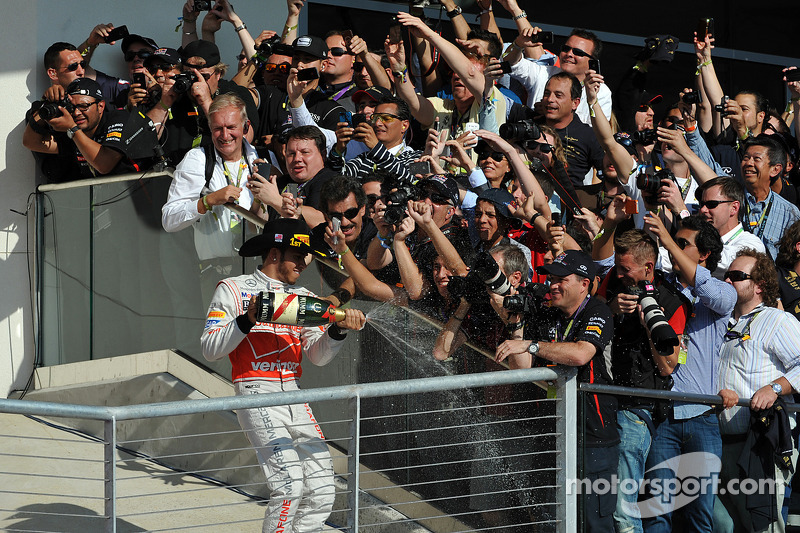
(271, 46)
(397, 203)
(721, 107)
(525, 130)
(184, 81)
(202, 5)
(663, 336)
(650, 184)
(469, 287)
(527, 301)
(692, 98)
(645, 137)
(50, 110)
(488, 271)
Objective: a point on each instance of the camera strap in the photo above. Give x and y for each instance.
(752, 224)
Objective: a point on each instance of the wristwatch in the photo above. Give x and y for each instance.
(776, 388)
(533, 349)
(683, 214)
(454, 13)
(72, 131)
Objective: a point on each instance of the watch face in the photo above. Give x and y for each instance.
(776, 387)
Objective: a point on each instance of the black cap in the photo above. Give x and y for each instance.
(200, 48)
(444, 185)
(133, 38)
(624, 139)
(648, 99)
(164, 55)
(313, 46)
(570, 262)
(375, 93)
(501, 199)
(282, 233)
(86, 87)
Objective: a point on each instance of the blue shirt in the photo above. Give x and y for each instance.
(712, 303)
(781, 215)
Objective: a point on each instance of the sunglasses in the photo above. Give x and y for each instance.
(682, 243)
(644, 108)
(241, 57)
(338, 51)
(130, 55)
(282, 68)
(84, 107)
(545, 148)
(372, 198)
(496, 156)
(712, 204)
(350, 214)
(575, 51)
(358, 66)
(72, 67)
(386, 118)
(152, 69)
(737, 275)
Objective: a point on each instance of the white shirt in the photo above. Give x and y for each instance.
(733, 241)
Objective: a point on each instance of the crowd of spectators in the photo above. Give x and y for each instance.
(535, 208)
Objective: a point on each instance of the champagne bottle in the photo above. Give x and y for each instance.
(295, 309)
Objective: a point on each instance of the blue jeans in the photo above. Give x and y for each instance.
(677, 438)
(633, 449)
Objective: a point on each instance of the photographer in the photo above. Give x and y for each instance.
(579, 328)
(641, 356)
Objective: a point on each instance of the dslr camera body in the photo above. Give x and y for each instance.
(644, 137)
(184, 82)
(50, 110)
(663, 336)
(525, 130)
(397, 203)
(484, 274)
(650, 184)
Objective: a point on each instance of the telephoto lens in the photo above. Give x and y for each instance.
(662, 334)
(487, 269)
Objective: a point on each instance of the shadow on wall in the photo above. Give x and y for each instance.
(63, 517)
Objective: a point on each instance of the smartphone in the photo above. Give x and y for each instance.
(420, 167)
(705, 27)
(308, 74)
(138, 77)
(117, 34)
(631, 206)
(792, 75)
(346, 116)
(347, 35)
(336, 225)
(358, 118)
(556, 218)
(505, 67)
(594, 65)
(544, 37)
(291, 188)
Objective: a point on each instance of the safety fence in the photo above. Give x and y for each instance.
(473, 464)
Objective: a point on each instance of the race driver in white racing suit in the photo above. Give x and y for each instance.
(266, 358)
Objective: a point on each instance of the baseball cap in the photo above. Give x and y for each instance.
(133, 38)
(164, 55)
(501, 199)
(313, 46)
(443, 184)
(570, 262)
(375, 93)
(648, 99)
(86, 87)
(200, 48)
(282, 233)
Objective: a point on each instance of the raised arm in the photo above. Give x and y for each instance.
(294, 7)
(460, 25)
(377, 74)
(227, 13)
(421, 109)
(710, 82)
(602, 129)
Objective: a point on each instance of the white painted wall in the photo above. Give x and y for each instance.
(30, 27)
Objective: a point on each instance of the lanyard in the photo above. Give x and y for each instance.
(726, 243)
(686, 187)
(744, 334)
(763, 217)
(242, 165)
(341, 92)
(572, 320)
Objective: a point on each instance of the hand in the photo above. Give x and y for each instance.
(358, 46)
(435, 167)
(226, 13)
(396, 54)
(702, 49)
(99, 34)
(674, 138)
(404, 229)
(687, 110)
(589, 222)
(353, 319)
(670, 195)
(340, 245)
(295, 88)
(793, 86)
(226, 195)
(344, 133)
(63, 122)
(734, 113)
(555, 238)
(290, 206)
(265, 190)
(189, 14)
(54, 93)
(211, 22)
(263, 36)
(470, 47)
(616, 209)
(434, 146)
(252, 311)
(137, 95)
(511, 348)
(525, 210)
(493, 71)
(496, 301)
(365, 133)
(729, 398)
(592, 86)
(527, 39)
(623, 303)
(199, 90)
(416, 25)
(653, 223)
(295, 6)
(763, 398)
(421, 212)
(458, 156)
(495, 142)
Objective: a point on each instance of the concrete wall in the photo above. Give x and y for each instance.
(30, 27)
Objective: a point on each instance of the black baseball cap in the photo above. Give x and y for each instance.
(282, 233)
(570, 262)
(375, 93)
(133, 38)
(311, 45)
(200, 48)
(443, 184)
(86, 87)
(164, 55)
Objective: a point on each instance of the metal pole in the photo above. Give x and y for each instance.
(354, 453)
(567, 460)
(110, 473)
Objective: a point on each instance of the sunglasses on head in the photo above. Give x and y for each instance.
(711, 204)
(72, 67)
(386, 118)
(575, 51)
(130, 55)
(682, 243)
(488, 154)
(737, 275)
(338, 51)
(545, 148)
(350, 214)
(282, 68)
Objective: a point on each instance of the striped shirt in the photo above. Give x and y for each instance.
(768, 351)
(379, 158)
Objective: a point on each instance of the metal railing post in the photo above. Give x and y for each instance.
(353, 459)
(110, 473)
(567, 459)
